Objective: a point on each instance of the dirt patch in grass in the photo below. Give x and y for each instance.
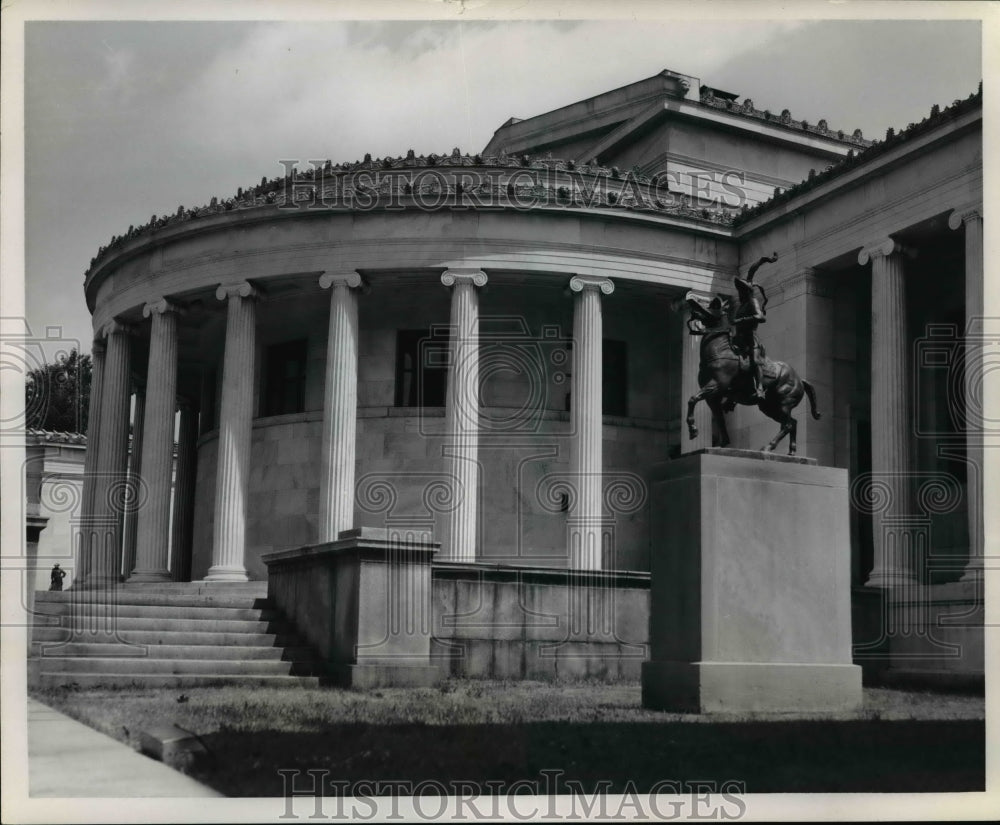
(901, 741)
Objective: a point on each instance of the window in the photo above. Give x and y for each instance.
(421, 367)
(285, 378)
(615, 378)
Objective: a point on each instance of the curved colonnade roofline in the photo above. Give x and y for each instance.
(429, 183)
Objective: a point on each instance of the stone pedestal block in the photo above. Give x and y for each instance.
(363, 602)
(750, 598)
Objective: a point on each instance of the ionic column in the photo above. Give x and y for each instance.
(586, 454)
(890, 413)
(972, 219)
(85, 546)
(111, 492)
(235, 422)
(461, 444)
(153, 551)
(134, 480)
(184, 484)
(690, 363)
(340, 407)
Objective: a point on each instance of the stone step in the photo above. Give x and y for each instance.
(63, 611)
(156, 636)
(168, 651)
(44, 599)
(124, 623)
(162, 680)
(176, 667)
(211, 588)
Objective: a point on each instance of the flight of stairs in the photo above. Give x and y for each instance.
(167, 635)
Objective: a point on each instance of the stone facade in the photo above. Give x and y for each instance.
(551, 286)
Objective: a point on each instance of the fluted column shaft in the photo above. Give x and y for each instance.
(461, 444)
(87, 512)
(153, 550)
(184, 485)
(340, 407)
(890, 413)
(235, 421)
(110, 493)
(974, 371)
(690, 363)
(586, 452)
(131, 528)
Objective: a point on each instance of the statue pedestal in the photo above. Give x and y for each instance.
(750, 606)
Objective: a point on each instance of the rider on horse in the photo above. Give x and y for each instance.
(749, 313)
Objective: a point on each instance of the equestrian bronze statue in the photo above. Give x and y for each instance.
(734, 367)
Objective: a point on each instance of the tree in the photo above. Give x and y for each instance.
(57, 396)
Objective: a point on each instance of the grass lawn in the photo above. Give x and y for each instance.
(476, 731)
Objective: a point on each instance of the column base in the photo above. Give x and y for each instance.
(733, 687)
(149, 577)
(891, 578)
(218, 573)
(973, 571)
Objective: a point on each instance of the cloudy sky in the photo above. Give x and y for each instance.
(124, 120)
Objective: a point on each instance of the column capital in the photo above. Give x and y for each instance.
(241, 289)
(159, 306)
(882, 249)
(350, 279)
(476, 277)
(578, 283)
(115, 327)
(961, 216)
(680, 303)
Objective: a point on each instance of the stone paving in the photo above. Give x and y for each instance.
(66, 759)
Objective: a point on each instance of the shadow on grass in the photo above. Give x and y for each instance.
(767, 757)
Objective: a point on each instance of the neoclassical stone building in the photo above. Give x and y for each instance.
(491, 347)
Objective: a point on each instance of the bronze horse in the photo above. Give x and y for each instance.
(725, 376)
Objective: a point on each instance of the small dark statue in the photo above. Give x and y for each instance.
(734, 368)
(56, 578)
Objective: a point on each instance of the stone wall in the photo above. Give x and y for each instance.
(529, 623)
(399, 477)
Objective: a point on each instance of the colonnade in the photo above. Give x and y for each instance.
(895, 551)
(151, 556)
